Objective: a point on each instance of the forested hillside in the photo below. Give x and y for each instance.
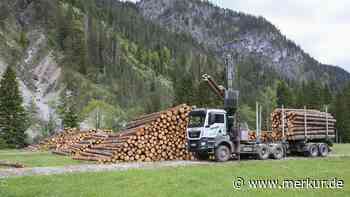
(101, 62)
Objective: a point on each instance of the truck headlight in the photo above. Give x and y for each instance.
(203, 143)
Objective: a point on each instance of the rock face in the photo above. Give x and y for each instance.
(250, 37)
(37, 70)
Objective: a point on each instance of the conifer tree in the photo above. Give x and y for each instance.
(284, 95)
(342, 113)
(13, 118)
(67, 111)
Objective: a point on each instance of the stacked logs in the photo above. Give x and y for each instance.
(154, 137)
(265, 136)
(300, 124)
(70, 141)
(66, 141)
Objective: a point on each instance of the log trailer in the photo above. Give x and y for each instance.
(218, 132)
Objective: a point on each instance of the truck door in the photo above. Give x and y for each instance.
(217, 122)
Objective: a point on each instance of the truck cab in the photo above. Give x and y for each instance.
(207, 133)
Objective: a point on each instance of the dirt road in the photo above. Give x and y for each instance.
(4, 173)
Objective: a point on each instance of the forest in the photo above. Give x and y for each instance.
(116, 65)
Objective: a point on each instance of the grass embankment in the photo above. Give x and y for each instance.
(211, 180)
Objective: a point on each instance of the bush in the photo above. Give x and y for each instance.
(3, 144)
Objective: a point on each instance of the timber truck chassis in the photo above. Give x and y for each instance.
(206, 147)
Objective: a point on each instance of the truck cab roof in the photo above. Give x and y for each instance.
(209, 110)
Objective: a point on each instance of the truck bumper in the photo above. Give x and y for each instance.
(204, 145)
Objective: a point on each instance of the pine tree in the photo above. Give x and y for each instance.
(284, 95)
(342, 113)
(268, 100)
(313, 95)
(67, 111)
(327, 97)
(13, 118)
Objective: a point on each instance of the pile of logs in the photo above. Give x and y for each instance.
(265, 136)
(300, 124)
(64, 142)
(154, 137)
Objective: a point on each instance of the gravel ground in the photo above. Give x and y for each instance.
(13, 172)
(5, 173)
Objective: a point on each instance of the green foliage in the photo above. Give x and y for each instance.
(32, 111)
(248, 115)
(13, 118)
(103, 115)
(111, 53)
(4, 10)
(285, 96)
(67, 110)
(3, 144)
(313, 95)
(23, 40)
(342, 113)
(268, 101)
(49, 126)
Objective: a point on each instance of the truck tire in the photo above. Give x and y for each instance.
(277, 151)
(323, 149)
(263, 152)
(312, 150)
(222, 153)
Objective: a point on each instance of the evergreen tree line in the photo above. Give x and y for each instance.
(311, 95)
(109, 51)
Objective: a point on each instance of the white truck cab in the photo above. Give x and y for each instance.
(207, 131)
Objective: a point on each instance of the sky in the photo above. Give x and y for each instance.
(320, 27)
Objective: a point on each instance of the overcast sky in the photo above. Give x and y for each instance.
(320, 27)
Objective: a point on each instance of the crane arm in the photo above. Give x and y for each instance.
(217, 89)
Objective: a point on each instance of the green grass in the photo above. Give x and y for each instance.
(341, 149)
(201, 181)
(213, 180)
(36, 159)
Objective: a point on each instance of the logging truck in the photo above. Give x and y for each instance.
(219, 133)
(212, 132)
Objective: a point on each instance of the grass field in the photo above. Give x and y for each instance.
(36, 159)
(201, 181)
(341, 149)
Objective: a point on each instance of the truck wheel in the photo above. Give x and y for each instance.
(312, 150)
(263, 152)
(222, 153)
(323, 150)
(278, 152)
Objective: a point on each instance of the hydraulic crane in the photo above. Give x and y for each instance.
(221, 133)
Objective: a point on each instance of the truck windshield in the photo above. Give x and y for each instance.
(197, 119)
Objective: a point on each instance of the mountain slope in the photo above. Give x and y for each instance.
(139, 58)
(94, 50)
(249, 36)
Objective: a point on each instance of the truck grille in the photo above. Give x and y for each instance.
(194, 134)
